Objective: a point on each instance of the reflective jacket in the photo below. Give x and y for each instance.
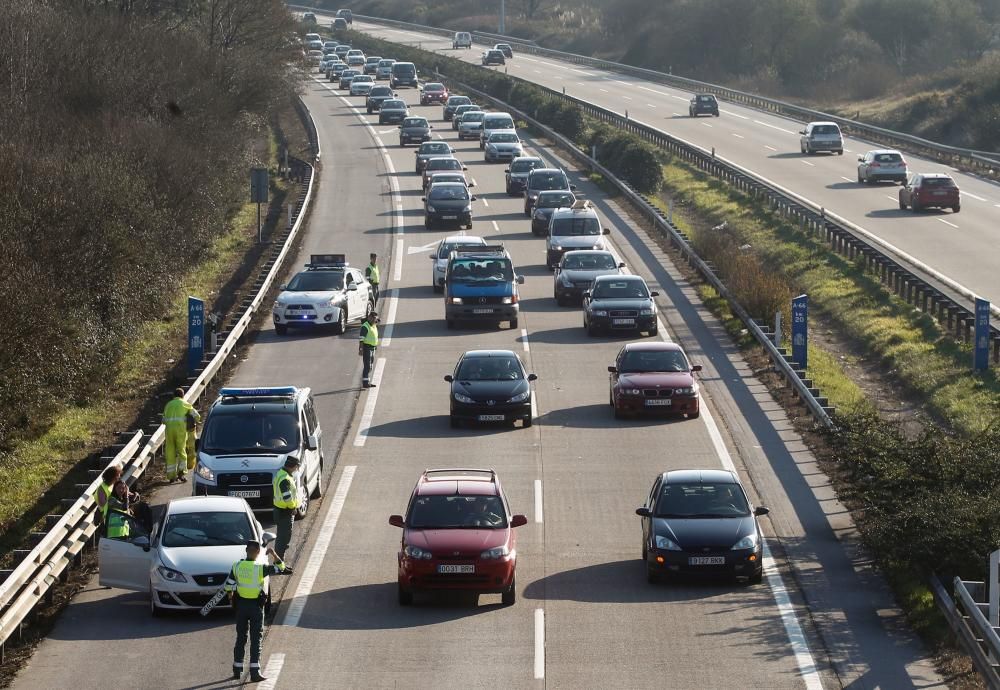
(369, 334)
(285, 491)
(247, 578)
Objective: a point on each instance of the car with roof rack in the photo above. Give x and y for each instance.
(329, 292)
(481, 286)
(576, 227)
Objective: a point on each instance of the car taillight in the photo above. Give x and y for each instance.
(876, 165)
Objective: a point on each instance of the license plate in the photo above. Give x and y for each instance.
(623, 322)
(463, 569)
(254, 493)
(707, 560)
(665, 402)
(491, 418)
(294, 312)
(482, 311)
(940, 193)
(449, 217)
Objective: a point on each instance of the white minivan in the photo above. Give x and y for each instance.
(462, 39)
(821, 136)
(494, 122)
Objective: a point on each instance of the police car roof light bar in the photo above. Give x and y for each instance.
(327, 261)
(272, 392)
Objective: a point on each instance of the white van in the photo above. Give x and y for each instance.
(494, 122)
(462, 39)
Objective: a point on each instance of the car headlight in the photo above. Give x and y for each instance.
(507, 300)
(491, 148)
(430, 209)
(556, 247)
(646, 311)
(456, 300)
(687, 390)
(599, 312)
(538, 215)
(171, 575)
(204, 472)
(747, 542)
(467, 209)
(520, 397)
(598, 245)
(631, 391)
(666, 544)
(498, 552)
(417, 552)
(462, 398)
(332, 303)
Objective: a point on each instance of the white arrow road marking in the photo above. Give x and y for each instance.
(425, 248)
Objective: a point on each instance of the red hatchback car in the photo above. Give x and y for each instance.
(458, 534)
(433, 93)
(654, 377)
(930, 190)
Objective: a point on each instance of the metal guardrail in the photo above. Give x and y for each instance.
(966, 617)
(817, 406)
(985, 162)
(32, 579)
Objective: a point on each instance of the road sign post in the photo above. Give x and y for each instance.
(258, 195)
(981, 349)
(196, 334)
(800, 330)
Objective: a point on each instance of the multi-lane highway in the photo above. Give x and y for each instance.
(585, 615)
(960, 246)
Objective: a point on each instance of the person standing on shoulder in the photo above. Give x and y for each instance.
(175, 417)
(371, 275)
(367, 346)
(286, 502)
(247, 586)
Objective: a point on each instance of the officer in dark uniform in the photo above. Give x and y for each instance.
(247, 587)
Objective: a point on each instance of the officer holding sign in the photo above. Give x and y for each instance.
(247, 588)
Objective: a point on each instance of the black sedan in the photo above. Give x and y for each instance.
(376, 97)
(346, 76)
(428, 150)
(393, 110)
(452, 103)
(448, 203)
(414, 130)
(577, 270)
(619, 303)
(703, 104)
(490, 386)
(493, 57)
(517, 173)
(700, 523)
(546, 203)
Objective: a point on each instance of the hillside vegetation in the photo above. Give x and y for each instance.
(123, 152)
(851, 55)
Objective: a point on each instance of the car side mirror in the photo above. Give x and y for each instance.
(572, 188)
(607, 231)
(267, 537)
(643, 512)
(471, 185)
(312, 443)
(861, 159)
(506, 170)
(654, 293)
(472, 198)
(423, 198)
(430, 127)
(557, 269)
(761, 510)
(396, 521)
(802, 131)
(532, 377)
(142, 542)
(612, 369)
(352, 287)
(696, 367)
(432, 257)
(465, 167)
(518, 521)
(449, 378)
(586, 294)
(621, 264)
(520, 280)
(283, 286)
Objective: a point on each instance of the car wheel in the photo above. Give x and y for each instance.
(840, 152)
(450, 323)
(370, 112)
(437, 288)
(405, 596)
(902, 204)
(802, 149)
(618, 412)
(509, 595)
(280, 328)
(527, 421)
(914, 207)
(318, 491)
(341, 325)
(654, 331)
(155, 610)
(591, 331)
(956, 208)
(513, 323)
(303, 509)
(861, 180)
(560, 300)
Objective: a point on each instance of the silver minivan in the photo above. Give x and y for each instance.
(494, 122)
(821, 136)
(462, 39)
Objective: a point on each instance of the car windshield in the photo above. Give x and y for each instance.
(447, 177)
(887, 158)
(373, 60)
(385, 63)
(394, 105)
(620, 288)
(362, 79)
(498, 123)
(381, 91)
(448, 192)
(706, 99)
(415, 122)
(456, 512)
(444, 164)
(555, 200)
(701, 501)
(318, 281)
(489, 369)
(519, 166)
(825, 129)
(481, 271)
(459, 100)
(589, 262)
(638, 361)
(448, 247)
(938, 182)
(251, 431)
(350, 73)
(207, 529)
(473, 116)
(547, 180)
(433, 87)
(403, 70)
(576, 226)
(503, 138)
(435, 147)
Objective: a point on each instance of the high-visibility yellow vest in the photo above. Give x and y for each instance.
(289, 499)
(371, 334)
(177, 410)
(106, 490)
(249, 578)
(118, 524)
(373, 274)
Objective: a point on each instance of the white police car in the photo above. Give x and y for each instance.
(248, 434)
(328, 293)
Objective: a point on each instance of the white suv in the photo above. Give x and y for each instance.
(328, 293)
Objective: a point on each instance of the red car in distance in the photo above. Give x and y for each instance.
(458, 534)
(654, 377)
(433, 92)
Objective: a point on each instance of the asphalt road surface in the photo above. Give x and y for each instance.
(585, 615)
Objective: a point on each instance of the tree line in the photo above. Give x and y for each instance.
(124, 151)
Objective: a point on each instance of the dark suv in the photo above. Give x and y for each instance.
(544, 180)
(703, 104)
(458, 534)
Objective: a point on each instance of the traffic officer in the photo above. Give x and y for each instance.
(367, 346)
(109, 477)
(371, 275)
(190, 448)
(286, 501)
(247, 587)
(118, 523)
(175, 417)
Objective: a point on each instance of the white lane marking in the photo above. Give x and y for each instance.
(495, 226)
(846, 179)
(369, 413)
(538, 501)
(738, 136)
(295, 608)
(646, 88)
(580, 83)
(627, 98)
(537, 71)
(811, 165)
(662, 330)
(796, 638)
(485, 203)
(378, 141)
(604, 90)
(397, 267)
(272, 671)
(770, 147)
(385, 131)
(623, 83)
(650, 105)
(524, 340)
(705, 124)
(730, 112)
(848, 151)
(997, 205)
(425, 248)
(947, 223)
(534, 405)
(539, 644)
(891, 198)
(676, 114)
(970, 194)
(780, 129)
(390, 320)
